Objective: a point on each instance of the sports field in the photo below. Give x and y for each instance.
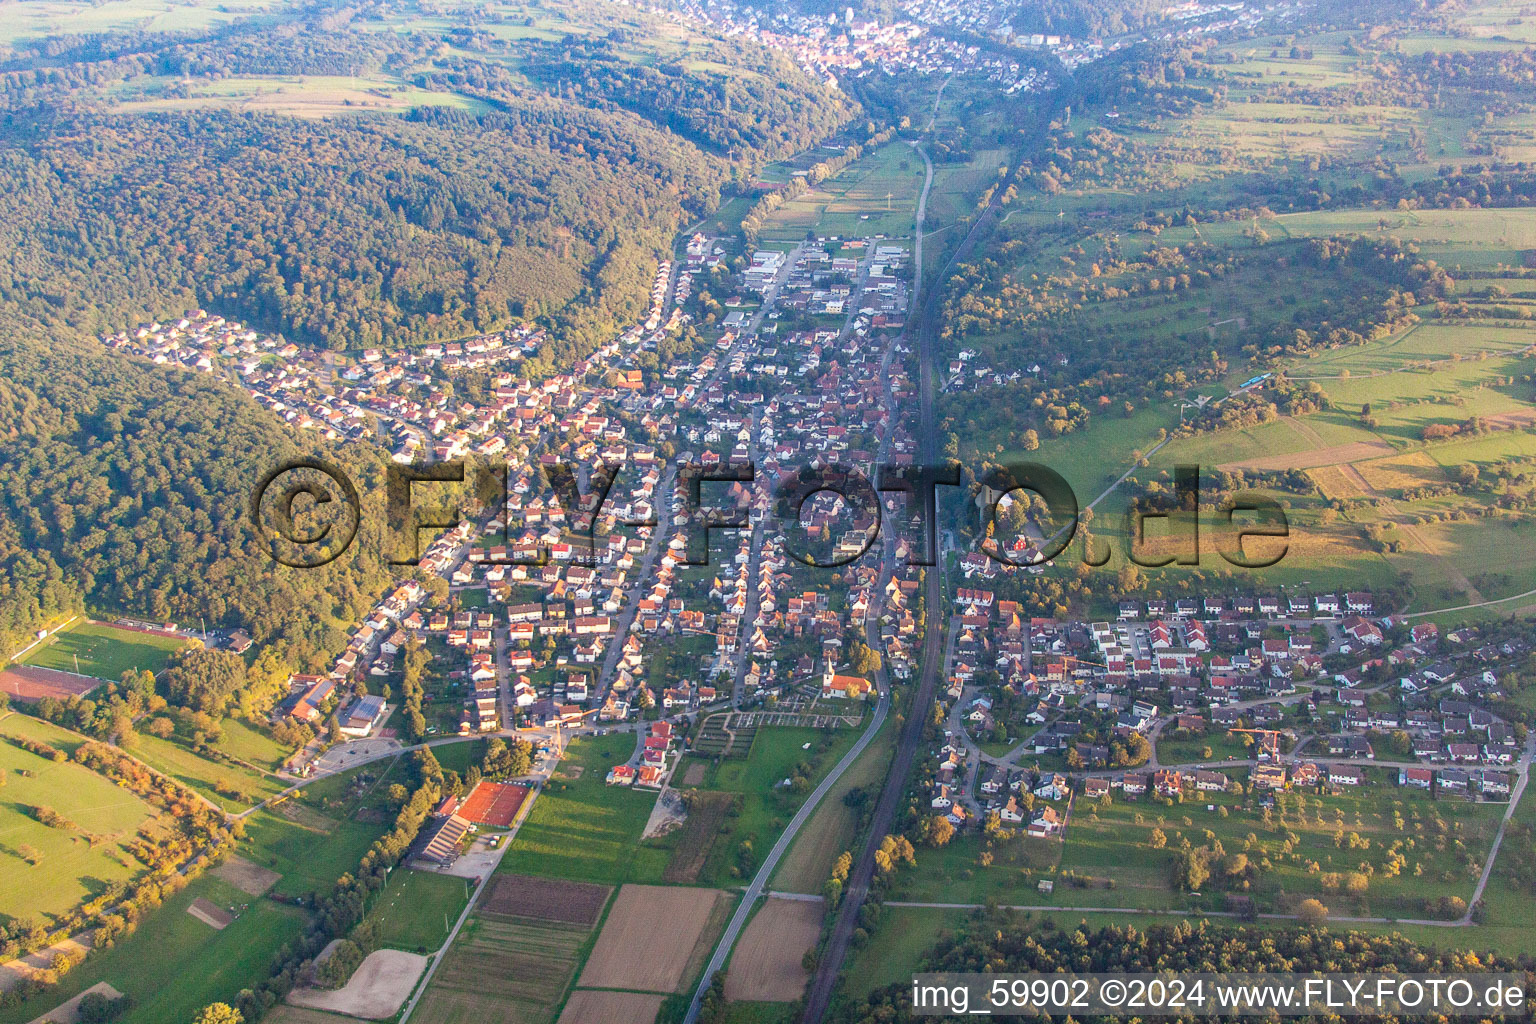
(494, 803)
(417, 909)
(103, 651)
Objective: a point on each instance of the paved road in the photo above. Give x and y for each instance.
(662, 502)
(771, 862)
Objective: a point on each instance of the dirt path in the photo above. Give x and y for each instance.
(1306, 431)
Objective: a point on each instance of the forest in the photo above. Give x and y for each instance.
(1001, 943)
(123, 487)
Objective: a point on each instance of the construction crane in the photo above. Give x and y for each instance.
(1269, 744)
(560, 727)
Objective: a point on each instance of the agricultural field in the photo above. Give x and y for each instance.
(707, 814)
(778, 754)
(545, 900)
(589, 1007)
(291, 95)
(49, 871)
(766, 963)
(854, 201)
(103, 651)
(516, 970)
(1409, 404)
(61, 17)
(632, 954)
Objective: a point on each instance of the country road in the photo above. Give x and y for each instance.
(771, 862)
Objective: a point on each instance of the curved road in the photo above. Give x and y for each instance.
(760, 880)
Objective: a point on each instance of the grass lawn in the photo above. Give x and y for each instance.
(777, 754)
(418, 908)
(758, 1013)
(18, 724)
(896, 947)
(206, 776)
(252, 744)
(174, 965)
(47, 872)
(584, 829)
(310, 850)
(103, 651)
(955, 873)
(457, 757)
(1224, 746)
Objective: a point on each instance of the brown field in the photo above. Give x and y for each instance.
(545, 900)
(251, 879)
(494, 803)
(1315, 457)
(610, 1008)
(29, 683)
(694, 776)
(699, 834)
(1335, 483)
(1511, 420)
(211, 914)
(282, 1013)
(765, 968)
(1400, 472)
(510, 972)
(301, 813)
(376, 990)
(649, 938)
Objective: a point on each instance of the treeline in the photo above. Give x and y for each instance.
(198, 835)
(341, 910)
(1006, 943)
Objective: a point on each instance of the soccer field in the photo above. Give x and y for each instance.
(103, 651)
